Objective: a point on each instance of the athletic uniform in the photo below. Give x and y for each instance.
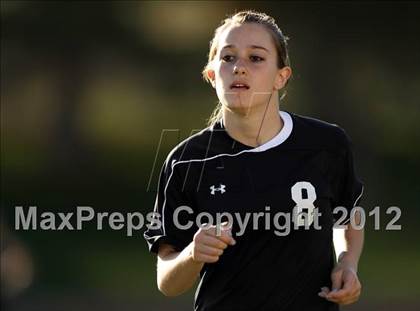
(307, 165)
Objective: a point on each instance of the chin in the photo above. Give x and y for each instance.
(238, 107)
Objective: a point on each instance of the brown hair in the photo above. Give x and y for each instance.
(280, 42)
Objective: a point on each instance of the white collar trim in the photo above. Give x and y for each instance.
(281, 136)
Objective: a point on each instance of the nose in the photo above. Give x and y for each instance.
(239, 68)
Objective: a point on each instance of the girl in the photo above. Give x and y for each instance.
(254, 159)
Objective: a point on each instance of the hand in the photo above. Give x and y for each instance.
(210, 242)
(346, 287)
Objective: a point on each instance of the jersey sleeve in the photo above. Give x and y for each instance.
(170, 196)
(349, 188)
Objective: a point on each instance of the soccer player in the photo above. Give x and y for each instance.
(254, 159)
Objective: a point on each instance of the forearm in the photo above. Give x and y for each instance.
(177, 272)
(348, 244)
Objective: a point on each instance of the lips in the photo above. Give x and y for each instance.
(238, 85)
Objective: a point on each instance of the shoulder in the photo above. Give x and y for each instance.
(193, 147)
(315, 133)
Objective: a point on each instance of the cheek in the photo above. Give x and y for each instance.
(225, 69)
(267, 74)
(222, 75)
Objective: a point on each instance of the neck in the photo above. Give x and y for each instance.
(256, 127)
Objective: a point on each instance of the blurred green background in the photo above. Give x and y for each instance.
(88, 87)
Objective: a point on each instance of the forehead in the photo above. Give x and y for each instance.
(242, 35)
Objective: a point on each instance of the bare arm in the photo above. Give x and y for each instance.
(346, 287)
(178, 271)
(348, 244)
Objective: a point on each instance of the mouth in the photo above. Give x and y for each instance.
(239, 86)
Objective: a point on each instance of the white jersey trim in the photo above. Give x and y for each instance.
(355, 203)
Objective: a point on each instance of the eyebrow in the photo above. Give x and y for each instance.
(229, 46)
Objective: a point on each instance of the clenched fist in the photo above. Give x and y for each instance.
(210, 242)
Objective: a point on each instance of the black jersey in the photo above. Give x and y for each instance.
(307, 165)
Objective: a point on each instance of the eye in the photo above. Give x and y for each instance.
(227, 58)
(256, 59)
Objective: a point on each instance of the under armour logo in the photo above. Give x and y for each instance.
(221, 188)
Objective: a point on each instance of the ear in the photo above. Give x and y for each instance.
(212, 77)
(282, 77)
